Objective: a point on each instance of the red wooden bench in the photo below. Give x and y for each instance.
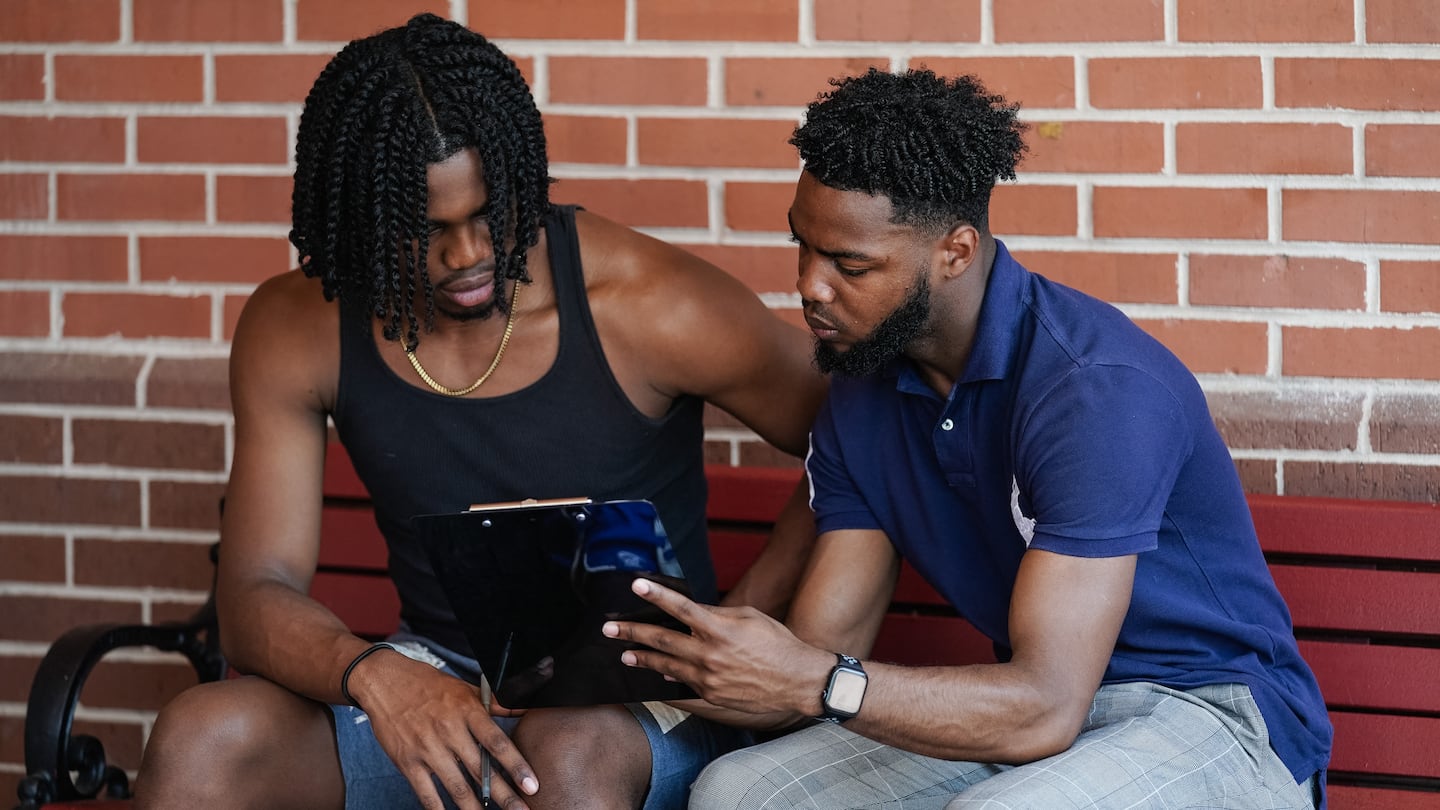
(1362, 579)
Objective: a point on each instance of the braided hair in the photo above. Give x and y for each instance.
(383, 110)
(934, 147)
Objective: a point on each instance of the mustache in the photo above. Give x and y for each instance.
(479, 271)
(816, 314)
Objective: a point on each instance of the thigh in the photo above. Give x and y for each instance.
(827, 766)
(1145, 746)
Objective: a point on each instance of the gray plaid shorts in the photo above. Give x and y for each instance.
(1143, 746)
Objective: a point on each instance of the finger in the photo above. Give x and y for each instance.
(502, 794)
(423, 783)
(650, 635)
(472, 761)
(492, 739)
(674, 669)
(453, 780)
(673, 602)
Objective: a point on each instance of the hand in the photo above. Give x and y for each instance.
(432, 724)
(738, 658)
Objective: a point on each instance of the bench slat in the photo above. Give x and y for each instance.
(340, 478)
(349, 538)
(366, 603)
(750, 494)
(732, 551)
(1361, 600)
(1375, 676)
(1347, 797)
(1385, 529)
(1386, 744)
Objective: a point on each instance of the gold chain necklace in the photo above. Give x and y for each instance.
(460, 392)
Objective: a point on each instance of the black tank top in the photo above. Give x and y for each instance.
(572, 432)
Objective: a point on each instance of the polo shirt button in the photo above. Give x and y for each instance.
(947, 425)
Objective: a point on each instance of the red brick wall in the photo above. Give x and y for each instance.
(1258, 184)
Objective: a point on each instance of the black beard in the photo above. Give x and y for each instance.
(478, 314)
(885, 342)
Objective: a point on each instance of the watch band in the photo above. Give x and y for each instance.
(844, 690)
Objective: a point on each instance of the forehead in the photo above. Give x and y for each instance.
(457, 180)
(820, 211)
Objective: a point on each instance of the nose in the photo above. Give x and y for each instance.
(812, 282)
(465, 247)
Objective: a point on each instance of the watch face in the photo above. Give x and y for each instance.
(847, 689)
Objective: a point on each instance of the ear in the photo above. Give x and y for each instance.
(959, 247)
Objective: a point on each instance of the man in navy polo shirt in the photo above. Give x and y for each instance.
(1048, 467)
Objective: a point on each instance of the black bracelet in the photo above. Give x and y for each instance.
(345, 679)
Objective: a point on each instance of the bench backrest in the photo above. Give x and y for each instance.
(1362, 579)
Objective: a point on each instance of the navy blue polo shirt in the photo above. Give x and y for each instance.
(1072, 430)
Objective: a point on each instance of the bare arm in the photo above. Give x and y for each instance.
(284, 362)
(271, 527)
(1066, 613)
(674, 325)
(771, 387)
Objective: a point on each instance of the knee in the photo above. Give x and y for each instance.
(592, 752)
(203, 734)
(207, 720)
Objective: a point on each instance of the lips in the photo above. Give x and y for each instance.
(472, 291)
(821, 328)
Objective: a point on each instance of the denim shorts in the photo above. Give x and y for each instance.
(681, 744)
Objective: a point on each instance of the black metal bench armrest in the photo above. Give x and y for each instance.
(60, 765)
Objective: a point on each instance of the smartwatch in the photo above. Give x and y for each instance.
(845, 690)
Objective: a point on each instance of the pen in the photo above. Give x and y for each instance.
(487, 697)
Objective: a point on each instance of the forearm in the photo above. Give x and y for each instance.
(982, 713)
(285, 636)
(986, 713)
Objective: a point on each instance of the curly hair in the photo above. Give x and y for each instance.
(383, 110)
(934, 147)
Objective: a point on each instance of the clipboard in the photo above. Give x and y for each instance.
(531, 583)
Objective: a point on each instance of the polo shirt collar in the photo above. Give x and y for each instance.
(993, 351)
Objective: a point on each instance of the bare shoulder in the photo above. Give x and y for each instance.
(617, 253)
(287, 341)
(654, 278)
(682, 326)
(286, 296)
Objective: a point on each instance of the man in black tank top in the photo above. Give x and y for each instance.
(470, 342)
